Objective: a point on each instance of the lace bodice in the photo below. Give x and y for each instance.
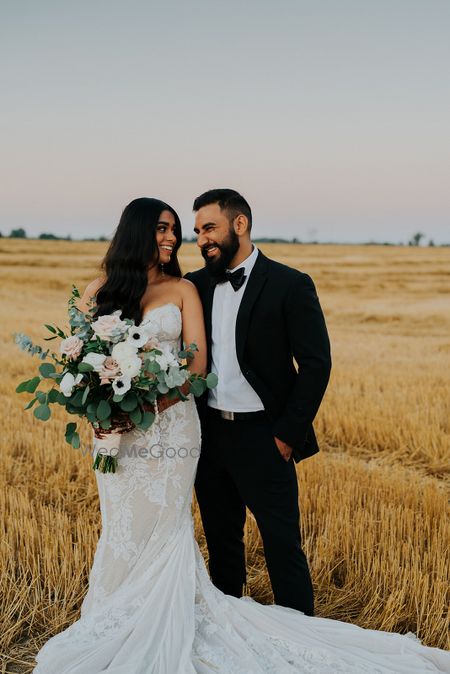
(165, 324)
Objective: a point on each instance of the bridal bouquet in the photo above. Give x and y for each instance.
(109, 371)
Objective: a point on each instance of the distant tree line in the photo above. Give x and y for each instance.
(415, 240)
(20, 233)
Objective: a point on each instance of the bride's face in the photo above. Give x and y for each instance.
(165, 236)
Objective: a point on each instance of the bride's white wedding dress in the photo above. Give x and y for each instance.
(151, 607)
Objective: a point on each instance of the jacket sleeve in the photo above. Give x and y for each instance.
(310, 346)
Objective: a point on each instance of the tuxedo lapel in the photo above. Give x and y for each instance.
(255, 284)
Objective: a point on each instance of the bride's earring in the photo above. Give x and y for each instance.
(162, 269)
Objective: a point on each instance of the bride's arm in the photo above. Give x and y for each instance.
(85, 303)
(193, 332)
(193, 326)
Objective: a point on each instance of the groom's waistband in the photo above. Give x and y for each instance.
(237, 416)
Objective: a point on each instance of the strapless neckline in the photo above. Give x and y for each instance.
(161, 306)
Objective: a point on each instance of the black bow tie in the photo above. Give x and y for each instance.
(236, 278)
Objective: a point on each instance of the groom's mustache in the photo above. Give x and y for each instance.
(204, 249)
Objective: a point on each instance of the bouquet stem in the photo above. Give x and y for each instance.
(106, 458)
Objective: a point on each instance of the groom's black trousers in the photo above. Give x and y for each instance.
(240, 465)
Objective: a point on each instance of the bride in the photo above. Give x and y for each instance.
(151, 607)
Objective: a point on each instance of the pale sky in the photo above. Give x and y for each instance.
(330, 116)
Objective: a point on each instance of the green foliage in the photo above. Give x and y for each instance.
(212, 380)
(129, 403)
(85, 367)
(42, 412)
(46, 369)
(85, 395)
(136, 416)
(147, 420)
(28, 386)
(103, 410)
(198, 387)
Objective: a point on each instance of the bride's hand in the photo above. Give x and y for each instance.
(120, 423)
(164, 402)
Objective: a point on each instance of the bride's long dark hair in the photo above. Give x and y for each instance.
(132, 251)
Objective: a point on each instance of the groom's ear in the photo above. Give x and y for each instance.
(240, 224)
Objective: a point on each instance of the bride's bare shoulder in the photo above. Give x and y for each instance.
(88, 297)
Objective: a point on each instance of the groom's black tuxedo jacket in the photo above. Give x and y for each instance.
(279, 319)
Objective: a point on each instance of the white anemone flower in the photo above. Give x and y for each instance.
(121, 385)
(137, 336)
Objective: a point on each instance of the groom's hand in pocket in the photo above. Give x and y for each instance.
(284, 449)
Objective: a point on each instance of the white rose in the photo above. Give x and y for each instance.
(68, 382)
(95, 359)
(123, 350)
(125, 354)
(131, 367)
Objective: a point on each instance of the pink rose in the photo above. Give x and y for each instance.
(109, 371)
(109, 327)
(150, 344)
(71, 347)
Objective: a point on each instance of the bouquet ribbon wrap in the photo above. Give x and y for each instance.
(107, 451)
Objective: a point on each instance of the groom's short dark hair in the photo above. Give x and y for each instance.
(229, 200)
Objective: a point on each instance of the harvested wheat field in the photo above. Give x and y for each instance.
(374, 501)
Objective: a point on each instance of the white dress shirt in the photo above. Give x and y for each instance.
(233, 392)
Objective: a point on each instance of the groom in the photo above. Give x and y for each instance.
(259, 316)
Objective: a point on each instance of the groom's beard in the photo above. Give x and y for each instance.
(227, 250)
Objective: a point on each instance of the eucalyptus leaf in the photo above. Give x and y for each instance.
(103, 410)
(85, 367)
(46, 369)
(85, 395)
(136, 416)
(50, 328)
(147, 419)
(75, 441)
(42, 412)
(30, 404)
(32, 384)
(197, 387)
(53, 395)
(23, 386)
(211, 380)
(129, 403)
(70, 429)
(152, 366)
(76, 399)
